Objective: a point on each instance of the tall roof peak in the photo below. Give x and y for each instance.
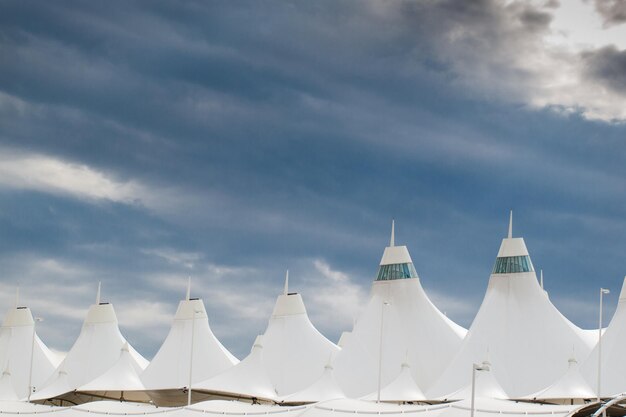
(512, 246)
(286, 289)
(188, 295)
(395, 254)
(98, 293)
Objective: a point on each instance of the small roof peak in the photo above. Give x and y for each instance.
(329, 363)
(98, 293)
(510, 224)
(258, 342)
(286, 289)
(188, 296)
(405, 362)
(392, 241)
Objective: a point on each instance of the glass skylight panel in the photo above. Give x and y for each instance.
(512, 264)
(396, 271)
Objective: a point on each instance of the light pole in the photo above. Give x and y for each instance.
(32, 354)
(602, 292)
(476, 367)
(380, 348)
(193, 332)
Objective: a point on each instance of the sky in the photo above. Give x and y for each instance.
(142, 143)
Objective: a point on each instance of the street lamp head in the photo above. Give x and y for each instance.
(604, 291)
(38, 319)
(484, 367)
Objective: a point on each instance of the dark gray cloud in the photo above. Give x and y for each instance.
(608, 65)
(612, 11)
(231, 141)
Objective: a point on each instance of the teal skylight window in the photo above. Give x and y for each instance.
(512, 264)
(396, 271)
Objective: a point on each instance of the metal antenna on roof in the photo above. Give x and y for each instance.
(392, 241)
(17, 297)
(541, 278)
(98, 293)
(286, 290)
(188, 288)
(511, 224)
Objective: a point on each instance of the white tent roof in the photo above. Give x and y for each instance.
(412, 324)
(16, 341)
(486, 386)
(95, 352)
(613, 359)
(325, 388)
(122, 376)
(572, 385)
(401, 389)
(526, 338)
(488, 407)
(170, 366)
(294, 351)
(248, 378)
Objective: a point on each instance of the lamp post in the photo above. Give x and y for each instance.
(32, 354)
(380, 348)
(602, 292)
(193, 332)
(476, 367)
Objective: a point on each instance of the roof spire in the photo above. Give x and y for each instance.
(392, 241)
(98, 293)
(17, 297)
(511, 224)
(286, 290)
(541, 278)
(188, 289)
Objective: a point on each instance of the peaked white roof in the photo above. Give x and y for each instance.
(324, 389)
(170, 366)
(95, 352)
(613, 359)
(16, 342)
(248, 378)
(412, 324)
(293, 355)
(122, 376)
(294, 351)
(526, 338)
(401, 389)
(486, 386)
(572, 385)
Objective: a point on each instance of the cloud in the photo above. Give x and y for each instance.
(47, 174)
(333, 298)
(174, 257)
(608, 67)
(612, 11)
